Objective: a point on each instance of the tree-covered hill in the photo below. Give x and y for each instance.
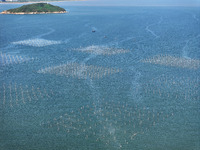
(38, 7)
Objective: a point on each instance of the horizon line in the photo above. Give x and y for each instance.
(117, 5)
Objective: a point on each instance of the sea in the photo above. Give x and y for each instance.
(100, 78)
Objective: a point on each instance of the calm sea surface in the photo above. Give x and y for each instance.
(100, 78)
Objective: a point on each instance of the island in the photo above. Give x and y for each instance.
(38, 8)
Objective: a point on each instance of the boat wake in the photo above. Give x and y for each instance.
(195, 17)
(88, 58)
(187, 46)
(107, 127)
(184, 50)
(151, 31)
(135, 90)
(47, 33)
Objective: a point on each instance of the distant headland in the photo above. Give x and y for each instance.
(33, 1)
(38, 8)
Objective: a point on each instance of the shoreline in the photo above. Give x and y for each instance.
(32, 13)
(38, 2)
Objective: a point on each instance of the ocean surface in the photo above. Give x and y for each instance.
(100, 78)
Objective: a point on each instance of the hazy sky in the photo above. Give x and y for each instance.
(147, 2)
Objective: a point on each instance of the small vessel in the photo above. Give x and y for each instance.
(93, 31)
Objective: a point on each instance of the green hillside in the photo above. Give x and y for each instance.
(39, 7)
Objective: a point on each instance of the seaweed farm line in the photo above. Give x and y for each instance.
(107, 120)
(37, 42)
(102, 50)
(170, 87)
(80, 71)
(14, 95)
(100, 78)
(173, 61)
(7, 59)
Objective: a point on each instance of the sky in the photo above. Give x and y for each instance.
(145, 2)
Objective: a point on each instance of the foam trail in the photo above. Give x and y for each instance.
(73, 60)
(94, 29)
(195, 17)
(151, 31)
(186, 47)
(99, 111)
(44, 34)
(127, 39)
(90, 82)
(88, 58)
(95, 95)
(135, 87)
(184, 50)
(97, 101)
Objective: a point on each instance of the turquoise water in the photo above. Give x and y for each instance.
(131, 84)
